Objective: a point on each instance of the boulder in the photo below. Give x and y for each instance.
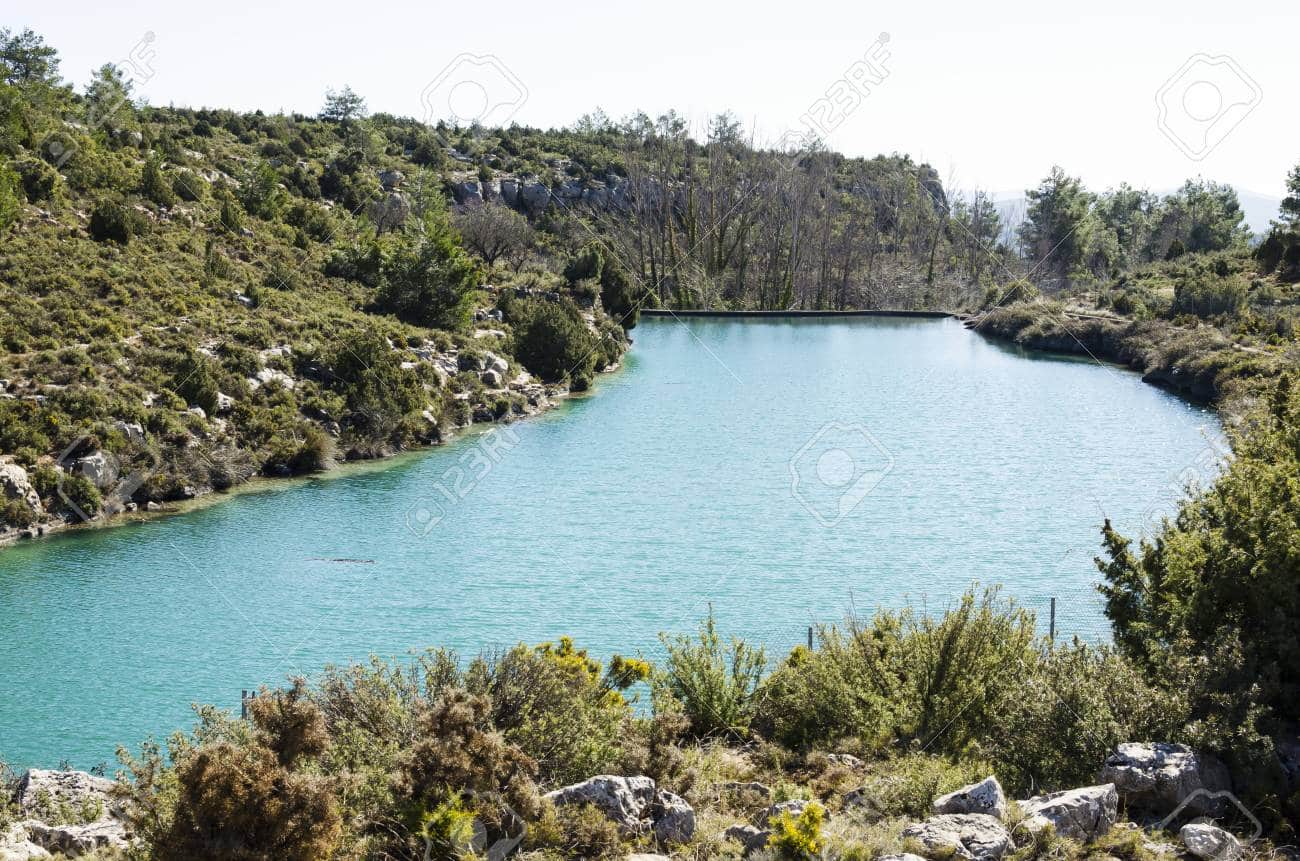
(674, 819)
(496, 363)
(535, 196)
(749, 837)
(491, 379)
(74, 788)
(510, 192)
(983, 797)
(972, 836)
(901, 856)
(69, 794)
(1081, 814)
(391, 179)
(627, 801)
(225, 403)
(467, 192)
(15, 485)
(14, 845)
(1156, 777)
(845, 759)
(99, 468)
(131, 430)
(75, 840)
(645, 856)
(390, 211)
(1208, 842)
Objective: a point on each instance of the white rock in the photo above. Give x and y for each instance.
(972, 836)
(1209, 842)
(1156, 777)
(627, 801)
(983, 797)
(750, 837)
(15, 485)
(1082, 814)
(674, 819)
(845, 759)
(99, 468)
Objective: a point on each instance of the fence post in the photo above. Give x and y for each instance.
(810, 638)
(1052, 626)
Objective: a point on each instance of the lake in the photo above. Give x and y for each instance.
(780, 471)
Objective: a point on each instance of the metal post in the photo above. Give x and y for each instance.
(810, 633)
(1052, 628)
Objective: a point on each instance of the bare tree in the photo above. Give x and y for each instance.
(493, 231)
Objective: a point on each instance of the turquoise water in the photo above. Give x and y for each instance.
(947, 459)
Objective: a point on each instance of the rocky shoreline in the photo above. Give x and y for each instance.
(533, 398)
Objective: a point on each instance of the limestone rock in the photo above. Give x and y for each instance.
(99, 468)
(674, 819)
(15, 485)
(42, 793)
(750, 838)
(491, 379)
(972, 836)
(390, 211)
(1082, 814)
(391, 179)
(901, 856)
(627, 801)
(983, 797)
(131, 430)
(1208, 842)
(75, 840)
(1156, 777)
(846, 759)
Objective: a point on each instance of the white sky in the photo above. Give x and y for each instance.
(991, 94)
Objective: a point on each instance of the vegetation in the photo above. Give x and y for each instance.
(255, 294)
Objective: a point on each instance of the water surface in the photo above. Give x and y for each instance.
(612, 518)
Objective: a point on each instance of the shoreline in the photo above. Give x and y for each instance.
(262, 483)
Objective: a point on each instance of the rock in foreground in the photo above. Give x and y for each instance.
(1082, 814)
(972, 836)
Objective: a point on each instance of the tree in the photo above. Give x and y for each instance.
(108, 100)
(26, 59)
(1200, 216)
(493, 231)
(1217, 588)
(342, 106)
(552, 340)
(1056, 227)
(10, 202)
(1290, 206)
(379, 393)
(429, 281)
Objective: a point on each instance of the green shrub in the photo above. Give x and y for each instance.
(715, 682)
(429, 282)
(38, 178)
(552, 340)
(154, 185)
(112, 220)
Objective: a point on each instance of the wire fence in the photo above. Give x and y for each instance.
(1063, 617)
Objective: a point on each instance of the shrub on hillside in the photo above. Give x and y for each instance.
(714, 681)
(429, 281)
(552, 339)
(112, 220)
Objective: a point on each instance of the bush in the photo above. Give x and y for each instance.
(38, 179)
(154, 185)
(798, 838)
(430, 282)
(552, 340)
(1212, 601)
(714, 682)
(1208, 294)
(111, 220)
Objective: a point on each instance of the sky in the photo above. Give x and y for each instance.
(991, 94)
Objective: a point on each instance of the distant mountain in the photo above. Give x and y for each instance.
(1259, 208)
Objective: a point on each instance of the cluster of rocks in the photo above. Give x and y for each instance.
(67, 812)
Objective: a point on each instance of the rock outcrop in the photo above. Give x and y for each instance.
(972, 836)
(81, 802)
(634, 804)
(1082, 814)
(16, 486)
(1154, 778)
(983, 797)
